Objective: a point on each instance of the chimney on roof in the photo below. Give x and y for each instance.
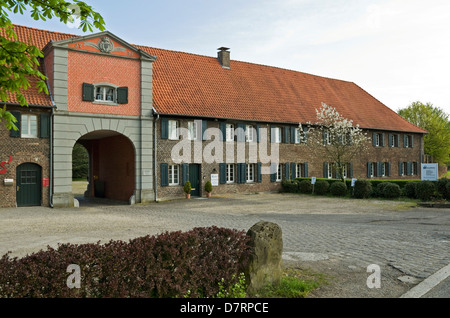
(224, 56)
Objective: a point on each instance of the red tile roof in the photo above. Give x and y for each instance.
(195, 85)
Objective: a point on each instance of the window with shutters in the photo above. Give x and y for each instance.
(192, 130)
(277, 134)
(249, 133)
(250, 172)
(297, 136)
(408, 141)
(230, 173)
(174, 175)
(230, 132)
(173, 130)
(279, 173)
(29, 126)
(298, 170)
(105, 93)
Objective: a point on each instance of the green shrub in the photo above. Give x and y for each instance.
(321, 187)
(363, 189)
(447, 186)
(379, 189)
(442, 186)
(338, 188)
(411, 190)
(208, 186)
(305, 186)
(290, 186)
(425, 190)
(172, 264)
(187, 187)
(391, 190)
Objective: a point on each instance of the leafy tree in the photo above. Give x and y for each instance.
(19, 61)
(334, 138)
(436, 122)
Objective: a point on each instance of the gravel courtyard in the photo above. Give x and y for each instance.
(337, 237)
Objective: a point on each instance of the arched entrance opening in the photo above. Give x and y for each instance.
(111, 165)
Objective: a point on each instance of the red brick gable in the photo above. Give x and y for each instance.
(194, 85)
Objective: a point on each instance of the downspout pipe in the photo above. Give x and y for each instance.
(155, 139)
(52, 114)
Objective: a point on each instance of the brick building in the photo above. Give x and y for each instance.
(128, 104)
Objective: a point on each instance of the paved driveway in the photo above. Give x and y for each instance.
(412, 241)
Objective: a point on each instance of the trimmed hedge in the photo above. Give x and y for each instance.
(338, 189)
(321, 187)
(175, 264)
(415, 189)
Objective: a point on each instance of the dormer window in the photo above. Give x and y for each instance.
(105, 93)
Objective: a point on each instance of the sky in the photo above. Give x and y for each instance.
(396, 50)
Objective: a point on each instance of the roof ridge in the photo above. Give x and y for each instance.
(42, 30)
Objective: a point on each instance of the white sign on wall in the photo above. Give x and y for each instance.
(430, 172)
(215, 180)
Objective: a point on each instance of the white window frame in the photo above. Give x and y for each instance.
(229, 132)
(250, 172)
(249, 133)
(174, 175)
(330, 171)
(377, 140)
(192, 130)
(297, 136)
(328, 137)
(279, 174)
(277, 132)
(27, 129)
(373, 167)
(345, 171)
(230, 173)
(104, 96)
(173, 130)
(298, 170)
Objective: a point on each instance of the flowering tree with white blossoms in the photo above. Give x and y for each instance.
(334, 138)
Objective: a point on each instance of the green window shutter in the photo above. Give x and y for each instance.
(223, 129)
(286, 135)
(325, 170)
(286, 171)
(379, 168)
(258, 172)
(258, 133)
(293, 170)
(185, 172)
(374, 139)
(164, 128)
(369, 169)
(382, 140)
(412, 141)
(88, 92)
(164, 174)
(400, 168)
(391, 140)
(204, 128)
(405, 140)
(325, 137)
(241, 177)
(16, 133)
(272, 134)
(122, 95)
(45, 125)
(222, 173)
(273, 172)
(388, 172)
(292, 135)
(305, 167)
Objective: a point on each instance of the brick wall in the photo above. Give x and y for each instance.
(288, 153)
(22, 150)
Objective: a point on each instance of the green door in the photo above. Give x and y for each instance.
(194, 178)
(29, 185)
